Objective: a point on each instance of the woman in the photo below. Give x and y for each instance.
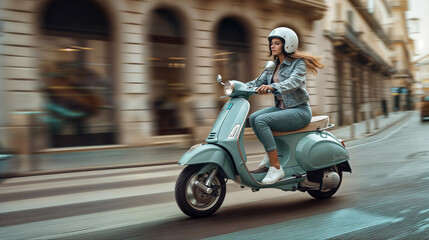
(287, 83)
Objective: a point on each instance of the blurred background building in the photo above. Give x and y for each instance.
(421, 69)
(79, 73)
(417, 19)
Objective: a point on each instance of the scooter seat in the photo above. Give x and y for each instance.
(317, 122)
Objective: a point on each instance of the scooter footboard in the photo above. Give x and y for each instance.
(320, 150)
(210, 153)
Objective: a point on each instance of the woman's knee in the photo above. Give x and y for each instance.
(252, 119)
(261, 121)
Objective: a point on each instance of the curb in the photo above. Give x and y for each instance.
(382, 129)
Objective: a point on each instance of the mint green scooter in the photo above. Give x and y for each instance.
(312, 158)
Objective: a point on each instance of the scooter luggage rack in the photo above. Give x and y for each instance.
(328, 127)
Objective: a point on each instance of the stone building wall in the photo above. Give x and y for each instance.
(356, 44)
(130, 48)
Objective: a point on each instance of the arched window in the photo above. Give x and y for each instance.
(76, 69)
(232, 57)
(167, 64)
(83, 17)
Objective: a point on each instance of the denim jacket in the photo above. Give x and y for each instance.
(291, 86)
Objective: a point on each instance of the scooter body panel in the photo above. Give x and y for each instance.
(228, 132)
(318, 150)
(298, 153)
(210, 154)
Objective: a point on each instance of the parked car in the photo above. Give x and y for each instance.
(424, 108)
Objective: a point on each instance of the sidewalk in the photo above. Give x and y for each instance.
(133, 157)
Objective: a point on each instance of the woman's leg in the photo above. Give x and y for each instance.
(280, 120)
(274, 118)
(274, 159)
(256, 114)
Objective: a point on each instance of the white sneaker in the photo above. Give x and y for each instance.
(264, 162)
(273, 175)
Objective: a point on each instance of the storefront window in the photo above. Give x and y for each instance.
(168, 63)
(232, 57)
(76, 68)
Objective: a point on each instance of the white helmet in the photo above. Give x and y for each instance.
(288, 37)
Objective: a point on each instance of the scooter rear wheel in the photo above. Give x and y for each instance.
(194, 202)
(319, 194)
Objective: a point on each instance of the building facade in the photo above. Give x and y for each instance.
(404, 79)
(367, 58)
(130, 72)
(421, 71)
(141, 72)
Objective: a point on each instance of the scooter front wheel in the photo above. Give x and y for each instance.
(193, 201)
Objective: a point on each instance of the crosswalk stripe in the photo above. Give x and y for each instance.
(30, 179)
(82, 182)
(66, 227)
(66, 199)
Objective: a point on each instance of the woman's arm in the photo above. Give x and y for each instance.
(295, 80)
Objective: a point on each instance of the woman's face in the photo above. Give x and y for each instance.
(276, 46)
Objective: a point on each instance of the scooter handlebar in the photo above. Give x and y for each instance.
(269, 91)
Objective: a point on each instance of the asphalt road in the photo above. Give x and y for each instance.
(386, 197)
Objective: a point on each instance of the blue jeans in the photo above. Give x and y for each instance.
(274, 118)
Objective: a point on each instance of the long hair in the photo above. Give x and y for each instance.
(312, 62)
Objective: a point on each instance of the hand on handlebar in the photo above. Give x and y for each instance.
(264, 89)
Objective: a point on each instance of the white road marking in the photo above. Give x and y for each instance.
(381, 139)
(85, 173)
(83, 182)
(324, 226)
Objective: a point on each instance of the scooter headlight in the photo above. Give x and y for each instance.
(228, 89)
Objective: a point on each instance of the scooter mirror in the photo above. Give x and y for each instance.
(219, 79)
(270, 65)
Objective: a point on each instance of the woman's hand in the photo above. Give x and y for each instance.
(263, 89)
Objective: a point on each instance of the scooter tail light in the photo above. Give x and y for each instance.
(342, 142)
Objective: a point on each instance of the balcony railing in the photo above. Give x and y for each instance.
(403, 73)
(344, 34)
(372, 20)
(396, 3)
(398, 38)
(314, 9)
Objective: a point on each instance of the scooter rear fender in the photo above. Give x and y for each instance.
(210, 154)
(318, 150)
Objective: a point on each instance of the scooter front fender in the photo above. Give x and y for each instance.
(210, 154)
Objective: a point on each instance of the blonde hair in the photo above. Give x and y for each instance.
(312, 63)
